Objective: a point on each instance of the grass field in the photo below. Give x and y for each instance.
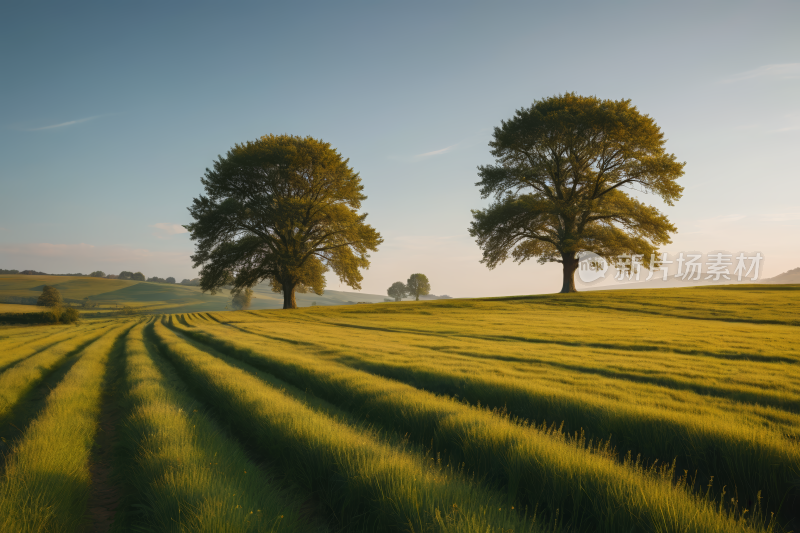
(109, 295)
(651, 410)
(17, 308)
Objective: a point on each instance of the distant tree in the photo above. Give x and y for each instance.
(558, 185)
(241, 299)
(418, 285)
(50, 297)
(170, 280)
(398, 291)
(283, 209)
(70, 316)
(138, 276)
(186, 282)
(8, 271)
(88, 304)
(97, 274)
(112, 276)
(125, 275)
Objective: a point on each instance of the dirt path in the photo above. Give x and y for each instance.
(106, 492)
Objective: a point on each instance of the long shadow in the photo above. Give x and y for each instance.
(663, 381)
(313, 511)
(575, 344)
(673, 384)
(105, 491)
(30, 405)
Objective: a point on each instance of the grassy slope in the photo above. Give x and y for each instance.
(152, 297)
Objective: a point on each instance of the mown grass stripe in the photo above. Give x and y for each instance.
(545, 469)
(47, 481)
(367, 484)
(17, 381)
(185, 471)
(746, 458)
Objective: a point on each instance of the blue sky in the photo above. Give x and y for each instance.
(110, 112)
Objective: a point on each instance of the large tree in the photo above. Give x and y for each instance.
(562, 170)
(418, 285)
(282, 209)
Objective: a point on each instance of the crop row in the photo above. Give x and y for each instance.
(46, 482)
(185, 474)
(746, 458)
(590, 490)
(364, 482)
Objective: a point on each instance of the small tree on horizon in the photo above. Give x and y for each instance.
(50, 297)
(97, 274)
(241, 299)
(398, 291)
(418, 285)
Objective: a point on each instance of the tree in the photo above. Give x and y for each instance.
(138, 276)
(558, 184)
(398, 291)
(50, 297)
(97, 274)
(283, 209)
(170, 280)
(418, 285)
(241, 299)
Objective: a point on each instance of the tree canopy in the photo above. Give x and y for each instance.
(398, 291)
(562, 170)
(50, 297)
(282, 209)
(418, 285)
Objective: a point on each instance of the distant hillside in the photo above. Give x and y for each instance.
(109, 295)
(787, 278)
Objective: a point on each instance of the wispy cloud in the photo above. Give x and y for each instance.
(165, 229)
(780, 71)
(436, 152)
(65, 124)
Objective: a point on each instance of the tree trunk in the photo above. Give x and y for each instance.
(570, 263)
(288, 296)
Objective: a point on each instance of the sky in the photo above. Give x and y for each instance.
(111, 111)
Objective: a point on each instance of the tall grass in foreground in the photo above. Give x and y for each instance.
(590, 491)
(746, 458)
(21, 378)
(365, 484)
(186, 473)
(46, 483)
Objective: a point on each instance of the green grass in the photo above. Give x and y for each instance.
(535, 465)
(186, 473)
(592, 412)
(46, 483)
(368, 484)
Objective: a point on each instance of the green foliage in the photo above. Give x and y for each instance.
(562, 165)
(97, 274)
(418, 285)
(283, 209)
(241, 299)
(69, 315)
(138, 276)
(3, 271)
(125, 275)
(398, 291)
(50, 297)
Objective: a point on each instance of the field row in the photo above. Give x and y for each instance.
(247, 427)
